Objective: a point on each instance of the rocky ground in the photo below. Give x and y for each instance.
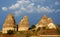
(33, 33)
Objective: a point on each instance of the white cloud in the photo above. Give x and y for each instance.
(56, 3)
(19, 4)
(27, 9)
(58, 10)
(34, 0)
(38, 6)
(14, 6)
(4, 8)
(38, 1)
(30, 8)
(17, 13)
(31, 5)
(26, 6)
(44, 9)
(23, 2)
(23, 9)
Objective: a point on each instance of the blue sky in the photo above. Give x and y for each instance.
(34, 9)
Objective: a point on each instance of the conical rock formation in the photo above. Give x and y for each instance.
(23, 24)
(9, 24)
(51, 24)
(46, 22)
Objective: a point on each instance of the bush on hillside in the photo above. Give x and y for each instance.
(10, 32)
(58, 30)
(33, 26)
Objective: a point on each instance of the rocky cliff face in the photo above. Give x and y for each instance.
(46, 22)
(23, 24)
(9, 23)
(51, 24)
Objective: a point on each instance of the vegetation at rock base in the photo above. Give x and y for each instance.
(10, 32)
(38, 29)
(58, 30)
(33, 26)
(29, 33)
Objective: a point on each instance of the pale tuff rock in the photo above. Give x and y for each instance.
(23, 24)
(9, 24)
(46, 22)
(51, 26)
(43, 22)
(50, 20)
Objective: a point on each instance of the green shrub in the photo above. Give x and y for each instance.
(58, 30)
(33, 26)
(30, 28)
(10, 32)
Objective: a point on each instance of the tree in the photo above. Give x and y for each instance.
(33, 26)
(58, 30)
(30, 28)
(10, 32)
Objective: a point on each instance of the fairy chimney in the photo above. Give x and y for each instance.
(51, 24)
(46, 22)
(23, 24)
(9, 24)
